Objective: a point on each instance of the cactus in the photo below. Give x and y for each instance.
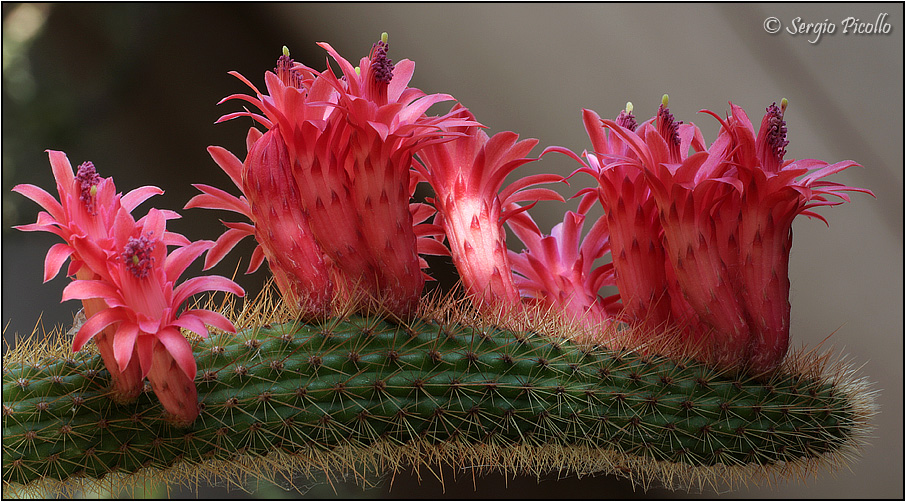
(356, 393)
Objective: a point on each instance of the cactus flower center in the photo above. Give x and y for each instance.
(627, 119)
(137, 256)
(88, 178)
(381, 71)
(286, 73)
(775, 136)
(668, 127)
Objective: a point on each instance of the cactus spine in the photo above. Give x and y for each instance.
(361, 392)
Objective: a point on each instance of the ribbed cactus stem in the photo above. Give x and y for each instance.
(359, 392)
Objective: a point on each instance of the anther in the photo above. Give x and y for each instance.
(87, 178)
(381, 65)
(137, 256)
(286, 72)
(668, 127)
(775, 141)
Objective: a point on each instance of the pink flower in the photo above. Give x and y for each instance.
(643, 276)
(556, 271)
(467, 174)
(697, 204)
(349, 143)
(773, 192)
(85, 211)
(726, 214)
(138, 288)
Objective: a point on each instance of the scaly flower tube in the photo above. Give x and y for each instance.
(727, 214)
(349, 143)
(85, 211)
(137, 285)
(641, 270)
(773, 191)
(695, 199)
(467, 175)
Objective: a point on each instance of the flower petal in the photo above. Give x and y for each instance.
(180, 349)
(62, 169)
(56, 256)
(207, 283)
(212, 319)
(94, 325)
(124, 343)
(144, 346)
(223, 245)
(43, 199)
(180, 259)
(135, 197)
(191, 323)
(87, 289)
(257, 260)
(230, 164)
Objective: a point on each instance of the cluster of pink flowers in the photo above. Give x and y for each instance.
(125, 278)
(699, 236)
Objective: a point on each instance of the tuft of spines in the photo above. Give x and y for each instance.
(363, 393)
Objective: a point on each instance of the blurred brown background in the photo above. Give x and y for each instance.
(133, 87)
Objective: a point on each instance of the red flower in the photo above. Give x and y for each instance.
(642, 272)
(773, 192)
(726, 215)
(555, 271)
(137, 285)
(697, 204)
(467, 174)
(349, 143)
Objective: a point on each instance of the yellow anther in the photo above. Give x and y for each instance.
(665, 99)
(783, 103)
(384, 37)
(286, 51)
(629, 107)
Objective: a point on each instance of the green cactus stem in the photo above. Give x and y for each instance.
(346, 395)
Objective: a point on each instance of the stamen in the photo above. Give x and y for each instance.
(88, 179)
(775, 136)
(137, 256)
(381, 65)
(285, 71)
(626, 118)
(667, 125)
